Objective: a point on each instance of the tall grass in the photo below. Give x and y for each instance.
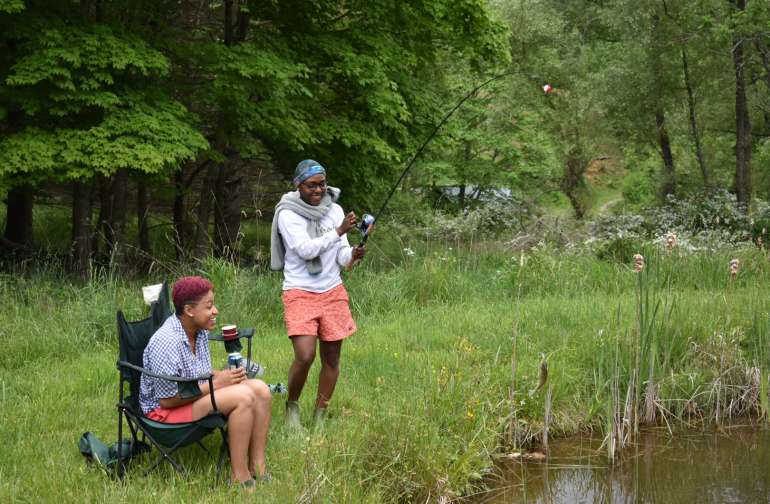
(426, 394)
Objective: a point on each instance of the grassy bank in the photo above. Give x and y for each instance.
(423, 399)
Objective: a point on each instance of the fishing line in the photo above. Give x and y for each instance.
(367, 220)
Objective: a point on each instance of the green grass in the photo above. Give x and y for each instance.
(422, 402)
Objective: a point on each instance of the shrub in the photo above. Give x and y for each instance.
(490, 219)
(639, 189)
(703, 221)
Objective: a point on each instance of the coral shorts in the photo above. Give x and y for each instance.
(325, 315)
(181, 414)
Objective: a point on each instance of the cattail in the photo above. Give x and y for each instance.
(638, 263)
(735, 265)
(670, 241)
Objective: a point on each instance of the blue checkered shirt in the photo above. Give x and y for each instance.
(168, 352)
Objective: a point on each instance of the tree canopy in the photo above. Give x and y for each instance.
(202, 105)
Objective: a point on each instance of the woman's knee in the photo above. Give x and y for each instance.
(331, 360)
(330, 354)
(305, 358)
(246, 395)
(261, 390)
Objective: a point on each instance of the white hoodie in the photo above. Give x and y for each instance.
(335, 251)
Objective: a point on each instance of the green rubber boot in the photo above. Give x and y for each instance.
(291, 418)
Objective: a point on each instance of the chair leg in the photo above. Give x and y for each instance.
(134, 433)
(204, 448)
(136, 427)
(120, 466)
(167, 454)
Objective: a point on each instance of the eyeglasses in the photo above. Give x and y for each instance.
(313, 186)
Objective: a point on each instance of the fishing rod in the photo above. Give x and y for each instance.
(367, 220)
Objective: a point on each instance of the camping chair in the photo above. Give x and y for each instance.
(166, 437)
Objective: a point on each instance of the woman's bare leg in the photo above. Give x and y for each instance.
(330, 371)
(304, 354)
(260, 427)
(237, 402)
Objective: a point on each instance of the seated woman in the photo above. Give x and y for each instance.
(180, 348)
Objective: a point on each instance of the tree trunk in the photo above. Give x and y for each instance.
(116, 250)
(669, 175)
(227, 212)
(227, 208)
(202, 236)
(232, 214)
(228, 21)
(179, 214)
(142, 212)
(103, 229)
(694, 123)
(467, 152)
(220, 197)
(18, 216)
(742, 123)
(243, 25)
(81, 228)
(572, 181)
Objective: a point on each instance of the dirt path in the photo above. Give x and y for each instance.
(605, 208)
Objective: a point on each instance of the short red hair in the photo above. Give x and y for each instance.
(188, 290)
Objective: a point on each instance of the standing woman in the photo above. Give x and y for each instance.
(309, 243)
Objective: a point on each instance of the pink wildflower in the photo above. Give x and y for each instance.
(670, 241)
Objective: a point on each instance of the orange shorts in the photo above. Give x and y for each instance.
(325, 314)
(180, 414)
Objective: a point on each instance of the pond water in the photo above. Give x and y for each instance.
(703, 467)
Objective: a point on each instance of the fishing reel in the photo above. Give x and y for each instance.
(366, 221)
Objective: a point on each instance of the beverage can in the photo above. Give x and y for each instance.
(234, 360)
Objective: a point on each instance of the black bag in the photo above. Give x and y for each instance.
(96, 452)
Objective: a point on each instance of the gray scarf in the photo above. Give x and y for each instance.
(313, 214)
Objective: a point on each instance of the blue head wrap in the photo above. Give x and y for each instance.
(306, 169)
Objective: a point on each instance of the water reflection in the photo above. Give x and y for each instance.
(713, 467)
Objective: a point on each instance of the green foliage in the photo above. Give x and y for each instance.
(371, 67)
(620, 249)
(95, 87)
(80, 66)
(11, 6)
(640, 189)
(640, 186)
(144, 136)
(89, 107)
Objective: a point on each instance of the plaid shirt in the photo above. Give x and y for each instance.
(168, 352)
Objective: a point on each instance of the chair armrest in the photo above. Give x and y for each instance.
(188, 387)
(177, 379)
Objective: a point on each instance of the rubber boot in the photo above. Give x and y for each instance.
(291, 418)
(319, 416)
